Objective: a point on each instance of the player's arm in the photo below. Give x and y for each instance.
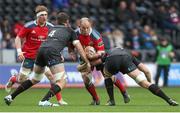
(71, 51)
(18, 48)
(94, 57)
(99, 46)
(80, 49)
(76, 43)
(23, 33)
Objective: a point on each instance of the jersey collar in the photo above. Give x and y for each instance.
(35, 22)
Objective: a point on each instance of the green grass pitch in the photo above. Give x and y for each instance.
(78, 100)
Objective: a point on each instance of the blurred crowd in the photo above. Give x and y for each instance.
(132, 24)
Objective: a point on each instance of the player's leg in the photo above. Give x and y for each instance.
(166, 74)
(38, 75)
(12, 80)
(140, 78)
(87, 79)
(25, 70)
(158, 73)
(109, 87)
(60, 80)
(121, 88)
(117, 83)
(52, 81)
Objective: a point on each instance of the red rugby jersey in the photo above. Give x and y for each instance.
(93, 39)
(34, 35)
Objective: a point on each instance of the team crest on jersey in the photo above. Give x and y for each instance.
(100, 43)
(33, 32)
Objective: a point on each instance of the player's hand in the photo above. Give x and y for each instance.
(62, 58)
(21, 56)
(88, 67)
(84, 67)
(73, 56)
(171, 54)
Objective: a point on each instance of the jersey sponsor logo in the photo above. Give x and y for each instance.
(40, 38)
(33, 32)
(100, 44)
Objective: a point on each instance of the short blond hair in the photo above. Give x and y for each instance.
(40, 8)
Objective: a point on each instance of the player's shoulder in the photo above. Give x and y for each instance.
(95, 34)
(30, 24)
(77, 31)
(49, 25)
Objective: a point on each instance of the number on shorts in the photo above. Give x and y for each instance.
(52, 33)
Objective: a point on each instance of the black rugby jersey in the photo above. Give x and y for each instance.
(59, 37)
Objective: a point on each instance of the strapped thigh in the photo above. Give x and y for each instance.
(106, 73)
(141, 77)
(60, 75)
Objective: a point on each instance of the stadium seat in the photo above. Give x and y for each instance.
(9, 2)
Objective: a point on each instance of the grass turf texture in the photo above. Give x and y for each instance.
(78, 100)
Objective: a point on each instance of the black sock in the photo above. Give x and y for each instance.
(109, 88)
(25, 85)
(53, 90)
(158, 92)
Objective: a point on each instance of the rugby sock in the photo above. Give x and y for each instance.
(13, 79)
(158, 92)
(58, 95)
(24, 86)
(109, 88)
(53, 90)
(120, 86)
(91, 89)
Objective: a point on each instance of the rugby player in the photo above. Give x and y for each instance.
(32, 34)
(120, 60)
(88, 36)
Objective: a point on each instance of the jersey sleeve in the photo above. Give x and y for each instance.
(23, 32)
(136, 61)
(98, 44)
(73, 36)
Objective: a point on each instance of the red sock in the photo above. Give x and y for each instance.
(13, 79)
(120, 86)
(58, 96)
(92, 91)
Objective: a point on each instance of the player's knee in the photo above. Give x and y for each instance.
(25, 72)
(140, 79)
(87, 78)
(22, 79)
(107, 74)
(34, 81)
(37, 76)
(113, 78)
(60, 76)
(145, 84)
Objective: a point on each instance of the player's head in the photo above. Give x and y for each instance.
(85, 26)
(41, 14)
(164, 40)
(63, 18)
